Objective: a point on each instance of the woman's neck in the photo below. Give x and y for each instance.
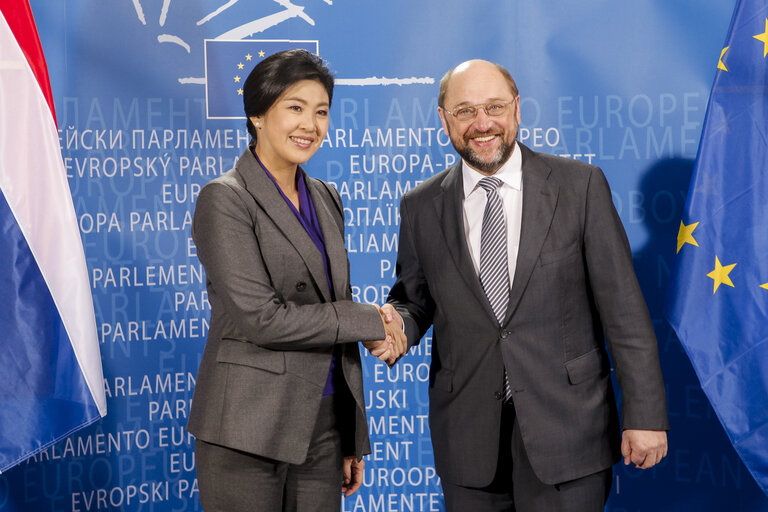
(285, 177)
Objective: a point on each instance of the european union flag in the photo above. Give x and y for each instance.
(227, 65)
(718, 298)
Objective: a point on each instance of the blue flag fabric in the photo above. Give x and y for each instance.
(718, 297)
(227, 65)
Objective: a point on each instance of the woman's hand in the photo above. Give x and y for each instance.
(353, 475)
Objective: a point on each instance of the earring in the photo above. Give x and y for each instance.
(257, 123)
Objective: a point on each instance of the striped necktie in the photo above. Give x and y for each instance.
(494, 273)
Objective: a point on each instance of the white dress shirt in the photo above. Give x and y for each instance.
(511, 192)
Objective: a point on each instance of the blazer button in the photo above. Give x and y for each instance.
(498, 395)
(504, 334)
(301, 286)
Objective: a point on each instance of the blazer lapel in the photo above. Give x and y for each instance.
(539, 202)
(263, 190)
(332, 233)
(451, 216)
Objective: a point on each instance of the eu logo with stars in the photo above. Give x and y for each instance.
(227, 65)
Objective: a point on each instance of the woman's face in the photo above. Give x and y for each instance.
(293, 128)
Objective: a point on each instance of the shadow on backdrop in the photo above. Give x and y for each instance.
(702, 470)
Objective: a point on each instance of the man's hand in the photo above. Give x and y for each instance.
(395, 344)
(353, 475)
(394, 321)
(643, 448)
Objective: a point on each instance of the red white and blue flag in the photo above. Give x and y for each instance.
(50, 366)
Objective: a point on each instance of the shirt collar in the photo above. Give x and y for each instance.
(510, 173)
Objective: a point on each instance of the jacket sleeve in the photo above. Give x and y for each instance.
(228, 247)
(410, 293)
(623, 312)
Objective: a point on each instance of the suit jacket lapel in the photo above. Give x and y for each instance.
(451, 217)
(267, 196)
(539, 202)
(332, 233)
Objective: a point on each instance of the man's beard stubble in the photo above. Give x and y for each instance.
(490, 167)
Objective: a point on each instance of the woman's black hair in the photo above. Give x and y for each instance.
(272, 76)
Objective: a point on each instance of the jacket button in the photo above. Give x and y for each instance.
(498, 395)
(301, 286)
(504, 334)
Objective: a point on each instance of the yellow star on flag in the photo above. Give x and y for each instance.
(764, 286)
(240, 65)
(261, 54)
(685, 235)
(240, 92)
(764, 38)
(248, 57)
(237, 79)
(720, 275)
(720, 64)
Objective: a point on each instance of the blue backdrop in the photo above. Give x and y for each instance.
(621, 85)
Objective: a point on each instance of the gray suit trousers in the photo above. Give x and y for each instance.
(236, 481)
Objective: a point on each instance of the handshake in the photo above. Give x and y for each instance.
(395, 344)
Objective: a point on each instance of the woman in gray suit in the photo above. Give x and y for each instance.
(278, 410)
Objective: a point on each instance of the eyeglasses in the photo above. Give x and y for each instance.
(494, 109)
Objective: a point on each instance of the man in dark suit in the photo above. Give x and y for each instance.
(520, 263)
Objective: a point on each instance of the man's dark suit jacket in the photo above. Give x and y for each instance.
(574, 287)
(273, 324)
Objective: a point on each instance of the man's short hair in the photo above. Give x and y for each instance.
(447, 77)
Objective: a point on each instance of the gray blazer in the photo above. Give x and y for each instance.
(273, 325)
(574, 287)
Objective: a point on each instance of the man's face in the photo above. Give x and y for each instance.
(485, 142)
